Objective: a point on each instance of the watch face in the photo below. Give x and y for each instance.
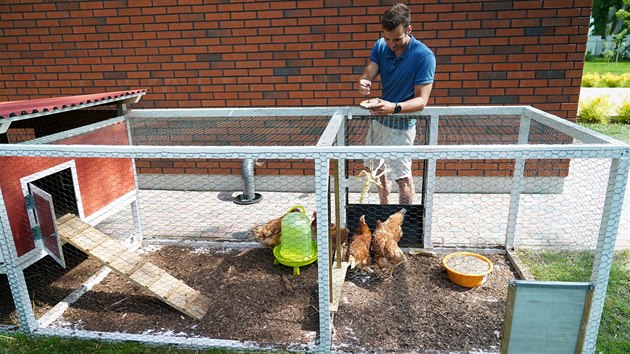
(398, 108)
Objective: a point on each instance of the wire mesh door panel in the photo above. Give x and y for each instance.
(8, 315)
(365, 196)
(46, 224)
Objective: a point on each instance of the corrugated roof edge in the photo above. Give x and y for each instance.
(43, 106)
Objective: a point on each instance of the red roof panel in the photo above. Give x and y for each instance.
(27, 107)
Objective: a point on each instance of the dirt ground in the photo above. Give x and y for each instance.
(254, 300)
(419, 308)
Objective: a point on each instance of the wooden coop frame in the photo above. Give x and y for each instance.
(329, 150)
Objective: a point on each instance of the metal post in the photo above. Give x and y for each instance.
(428, 181)
(517, 183)
(323, 269)
(15, 275)
(611, 215)
(135, 205)
(337, 216)
(343, 181)
(121, 109)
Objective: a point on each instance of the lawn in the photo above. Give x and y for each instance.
(617, 131)
(602, 67)
(22, 344)
(614, 331)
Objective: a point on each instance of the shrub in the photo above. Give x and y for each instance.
(612, 80)
(590, 80)
(588, 56)
(594, 111)
(623, 113)
(625, 80)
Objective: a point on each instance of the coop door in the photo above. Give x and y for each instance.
(46, 224)
(546, 317)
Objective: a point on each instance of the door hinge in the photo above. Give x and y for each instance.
(37, 232)
(30, 201)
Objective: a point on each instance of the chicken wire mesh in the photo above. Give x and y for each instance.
(167, 217)
(109, 284)
(8, 316)
(251, 130)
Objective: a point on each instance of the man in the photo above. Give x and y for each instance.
(406, 67)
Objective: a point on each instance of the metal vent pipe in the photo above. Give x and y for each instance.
(249, 195)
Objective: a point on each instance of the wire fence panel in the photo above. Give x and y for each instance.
(254, 229)
(8, 316)
(228, 131)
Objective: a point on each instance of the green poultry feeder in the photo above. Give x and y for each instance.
(296, 248)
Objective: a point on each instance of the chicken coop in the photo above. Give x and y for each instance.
(157, 225)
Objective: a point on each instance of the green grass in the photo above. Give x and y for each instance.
(617, 131)
(22, 344)
(16, 343)
(614, 331)
(605, 67)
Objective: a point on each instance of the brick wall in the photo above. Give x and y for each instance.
(241, 53)
(14, 136)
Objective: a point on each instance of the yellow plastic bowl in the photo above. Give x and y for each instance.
(463, 279)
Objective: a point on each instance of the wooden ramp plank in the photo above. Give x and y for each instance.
(71, 225)
(166, 285)
(108, 250)
(127, 262)
(146, 275)
(199, 307)
(123, 260)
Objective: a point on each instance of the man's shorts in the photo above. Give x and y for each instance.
(381, 135)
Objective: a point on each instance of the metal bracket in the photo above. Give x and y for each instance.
(30, 202)
(37, 232)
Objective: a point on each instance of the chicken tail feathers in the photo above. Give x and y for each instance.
(400, 255)
(256, 231)
(352, 261)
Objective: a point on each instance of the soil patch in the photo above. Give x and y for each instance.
(419, 308)
(252, 299)
(48, 283)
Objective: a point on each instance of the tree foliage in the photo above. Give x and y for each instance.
(612, 18)
(603, 14)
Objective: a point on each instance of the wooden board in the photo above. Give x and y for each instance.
(338, 278)
(124, 261)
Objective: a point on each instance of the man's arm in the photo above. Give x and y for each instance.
(420, 100)
(421, 93)
(369, 74)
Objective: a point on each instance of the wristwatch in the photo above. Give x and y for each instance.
(398, 108)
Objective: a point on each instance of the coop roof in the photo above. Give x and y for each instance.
(19, 110)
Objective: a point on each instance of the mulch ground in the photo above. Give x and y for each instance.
(252, 299)
(419, 308)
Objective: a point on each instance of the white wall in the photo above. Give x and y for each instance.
(595, 44)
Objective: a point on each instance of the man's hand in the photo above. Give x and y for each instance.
(382, 108)
(364, 87)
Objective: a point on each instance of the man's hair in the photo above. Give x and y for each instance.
(396, 15)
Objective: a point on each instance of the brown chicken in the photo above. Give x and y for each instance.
(387, 254)
(269, 233)
(359, 253)
(332, 233)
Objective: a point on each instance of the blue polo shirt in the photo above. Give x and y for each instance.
(399, 75)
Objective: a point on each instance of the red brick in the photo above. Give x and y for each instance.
(466, 7)
(325, 43)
